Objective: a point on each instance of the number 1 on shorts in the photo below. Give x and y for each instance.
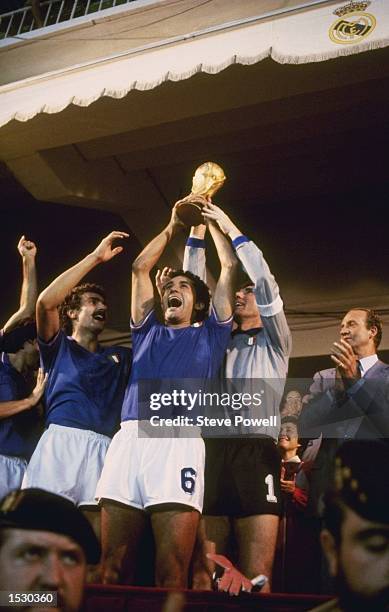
(270, 497)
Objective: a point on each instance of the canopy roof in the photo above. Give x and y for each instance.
(307, 36)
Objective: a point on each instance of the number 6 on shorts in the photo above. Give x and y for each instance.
(188, 481)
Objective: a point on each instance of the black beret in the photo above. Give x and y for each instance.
(361, 475)
(43, 511)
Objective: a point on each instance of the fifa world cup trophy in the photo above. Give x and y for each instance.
(207, 180)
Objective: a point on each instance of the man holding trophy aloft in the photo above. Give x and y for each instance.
(163, 476)
(242, 473)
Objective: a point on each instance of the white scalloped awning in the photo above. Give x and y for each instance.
(295, 39)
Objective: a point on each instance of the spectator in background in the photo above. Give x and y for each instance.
(297, 563)
(292, 405)
(348, 401)
(294, 482)
(45, 544)
(355, 537)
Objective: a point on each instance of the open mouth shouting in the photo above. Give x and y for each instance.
(174, 301)
(100, 315)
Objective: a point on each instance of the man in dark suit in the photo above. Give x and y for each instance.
(350, 400)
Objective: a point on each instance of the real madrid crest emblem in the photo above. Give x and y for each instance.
(353, 25)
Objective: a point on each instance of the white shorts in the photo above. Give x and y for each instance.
(68, 461)
(11, 473)
(144, 472)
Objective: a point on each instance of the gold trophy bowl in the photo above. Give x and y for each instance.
(207, 180)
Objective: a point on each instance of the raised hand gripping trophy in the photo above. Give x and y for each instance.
(207, 180)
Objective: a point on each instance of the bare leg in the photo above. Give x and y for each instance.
(174, 533)
(212, 536)
(92, 514)
(256, 538)
(121, 530)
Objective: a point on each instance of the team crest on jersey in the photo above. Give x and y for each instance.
(354, 23)
(114, 358)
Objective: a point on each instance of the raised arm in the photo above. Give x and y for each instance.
(223, 298)
(29, 292)
(266, 290)
(49, 300)
(194, 254)
(142, 292)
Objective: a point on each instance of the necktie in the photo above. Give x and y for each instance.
(360, 368)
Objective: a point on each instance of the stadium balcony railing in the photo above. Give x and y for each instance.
(20, 21)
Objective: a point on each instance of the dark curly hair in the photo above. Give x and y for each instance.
(73, 302)
(202, 294)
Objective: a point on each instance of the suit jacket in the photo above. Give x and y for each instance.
(362, 412)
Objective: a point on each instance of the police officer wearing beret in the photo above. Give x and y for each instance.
(45, 545)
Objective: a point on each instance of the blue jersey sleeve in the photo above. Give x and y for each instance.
(213, 321)
(49, 350)
(147, 323)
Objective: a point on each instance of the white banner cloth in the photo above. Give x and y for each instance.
(311, 35)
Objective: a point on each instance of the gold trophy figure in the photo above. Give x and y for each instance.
(207, 180)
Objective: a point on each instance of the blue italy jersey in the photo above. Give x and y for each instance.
(162, 352)
(19, 433)
(84, 390)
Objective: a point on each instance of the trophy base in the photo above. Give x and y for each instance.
(190, 213)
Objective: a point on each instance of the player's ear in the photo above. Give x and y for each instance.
(373, 331)
(330, 550)
(72, 314)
